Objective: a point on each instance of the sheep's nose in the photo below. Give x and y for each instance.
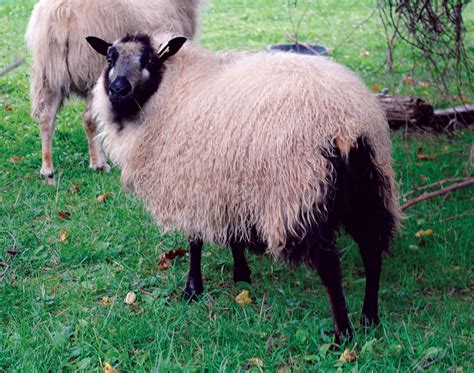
(120, 86)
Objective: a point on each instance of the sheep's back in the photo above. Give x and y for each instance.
(57, 30)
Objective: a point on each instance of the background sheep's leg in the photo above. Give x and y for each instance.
(194, 283)
(329, 269)
(97, 160)
(51, 101)
(241, 268)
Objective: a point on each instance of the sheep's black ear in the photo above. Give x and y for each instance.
(171, 47)
(99, 45)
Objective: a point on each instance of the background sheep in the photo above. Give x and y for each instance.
(272, 150)
(64, 64)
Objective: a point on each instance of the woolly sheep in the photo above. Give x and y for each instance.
(264, 151)
(64, 64)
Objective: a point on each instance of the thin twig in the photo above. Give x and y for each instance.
(14, 65)
(436, 183)
(440, 192)
(12, 252)
(14, 182)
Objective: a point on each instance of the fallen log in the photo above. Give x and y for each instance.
(404, 111)
(413, 112)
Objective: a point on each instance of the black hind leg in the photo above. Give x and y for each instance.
(241, 268)
(329, 269)
(318, 248)
(369, 222)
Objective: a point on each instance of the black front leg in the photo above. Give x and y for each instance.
(194, 283)
(241, 268)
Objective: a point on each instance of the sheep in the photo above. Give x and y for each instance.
(271, 152)
(64, 64)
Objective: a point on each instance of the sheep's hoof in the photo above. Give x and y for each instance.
(48, 178)
(103, 168)
(344, 337)
(193, 289)
(239, 277)
(190, 296)
(369, 320)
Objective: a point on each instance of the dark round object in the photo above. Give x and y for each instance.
(315, 50)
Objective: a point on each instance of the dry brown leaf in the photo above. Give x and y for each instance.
(256, 362)
(348, 356)
(107, 300)
(424, 84)
(109, 368)
(74, 188)
(16, 159)
(103, 197)
(63, 214)
(422, 178)
(376, 88)
(164, 263)
(243, 298)
(364, 53)
(130, 297)
(166, 258)
(423, 233)
(422, 156)
(63, 236)
(8, 107)
(409, 80)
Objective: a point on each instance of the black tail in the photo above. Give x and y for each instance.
(360, 190)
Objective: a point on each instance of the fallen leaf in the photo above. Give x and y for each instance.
(164, 264)
(364, 53)
(173, 254)
(107, 300)
(424, 84)
(256, 362)
(109, 369)
(422, 156)
(348, 356)
(423, 233)
(8, 107)
(74, 188)
(408, 80)
(63, 214)
(63, 236)
(243, 298)
(284, 369)
(166, 258)
(103, 197)
(376, 88)
(16, 159)
(130, 298)
(422, 178)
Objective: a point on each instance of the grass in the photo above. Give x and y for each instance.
(61, 303)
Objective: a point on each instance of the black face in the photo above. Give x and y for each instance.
(134, 71)
(131, 78)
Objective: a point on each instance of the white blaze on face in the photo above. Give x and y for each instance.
(145, 73)
(111, 73)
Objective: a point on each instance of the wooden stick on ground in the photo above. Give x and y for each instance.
(14, 65)
(425, 196)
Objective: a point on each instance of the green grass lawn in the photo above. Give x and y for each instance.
(62, 299)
